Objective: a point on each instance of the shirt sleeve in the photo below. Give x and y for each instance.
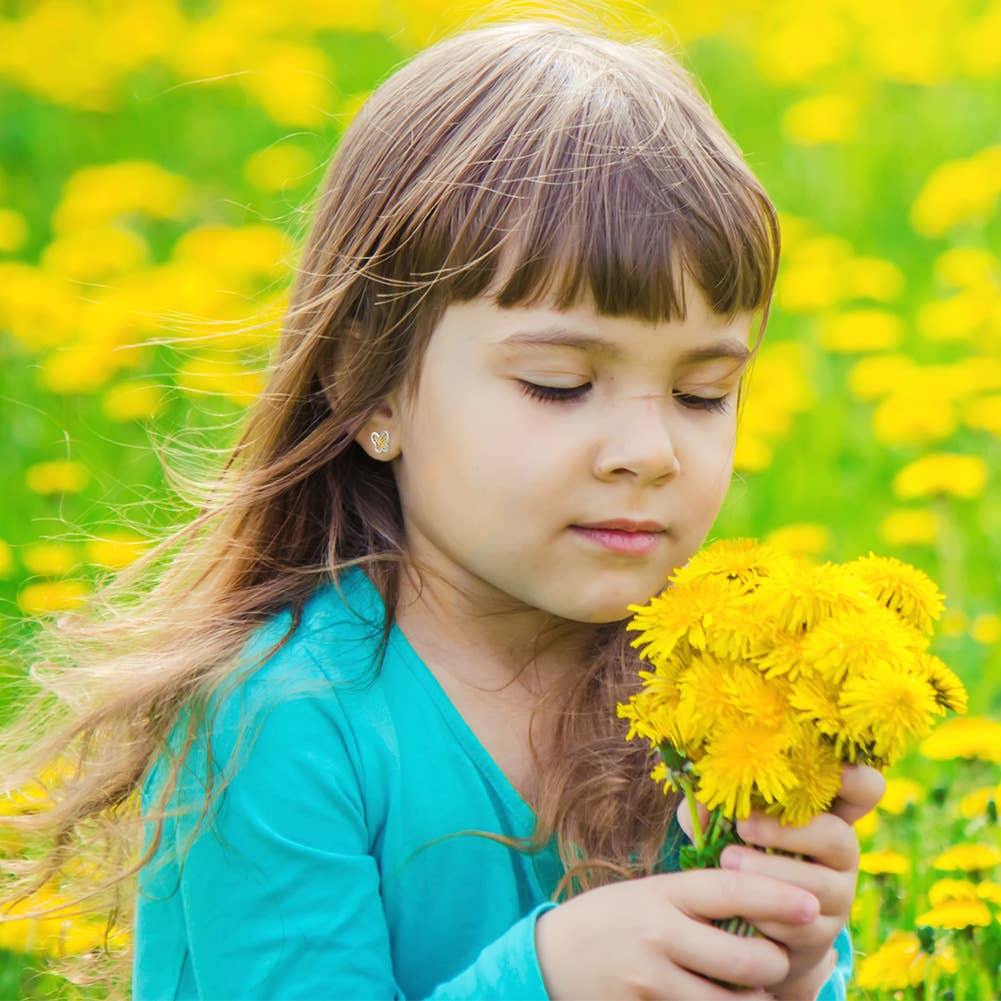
(836, 986)
(281, 893)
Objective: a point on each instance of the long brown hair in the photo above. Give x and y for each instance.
(589, 164)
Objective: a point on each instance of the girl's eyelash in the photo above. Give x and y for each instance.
(565, 393)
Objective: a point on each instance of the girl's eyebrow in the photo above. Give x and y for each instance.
(565, 337)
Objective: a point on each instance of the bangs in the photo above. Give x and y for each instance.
(547, 165)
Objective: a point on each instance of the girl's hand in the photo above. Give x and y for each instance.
(651, 937)
(829, 871)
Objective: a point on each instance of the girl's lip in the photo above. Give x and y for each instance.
(617, 541)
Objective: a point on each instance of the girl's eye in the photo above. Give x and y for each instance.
(553, 392)
(718, 404)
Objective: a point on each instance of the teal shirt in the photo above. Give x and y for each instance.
(315, 878)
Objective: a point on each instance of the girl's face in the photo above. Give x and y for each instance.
(492, 480)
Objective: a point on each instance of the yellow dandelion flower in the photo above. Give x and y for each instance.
(968, 858)
(958, 913)
(969, 737)
(785, 658)
(910, 417)
(871, 378)
(798, 596)
(884, 863)
(859, 330)
(745, 561)
(949, 691)
(900, 962)
(944, 473)
(899, 794)
(50, 558)
(760, 699)
(888, 708)
(846, 644)
(682, 610)
(706, 705)
(951, 889)
(741, 761)
(815, 702)
(902, 588)
(817, 772)
(52, 596)
(651, 716)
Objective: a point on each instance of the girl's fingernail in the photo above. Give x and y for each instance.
(810, 908)
(730, 859)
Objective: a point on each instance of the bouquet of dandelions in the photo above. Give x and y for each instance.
(770, 671)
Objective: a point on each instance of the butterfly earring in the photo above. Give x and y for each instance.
(380, 439)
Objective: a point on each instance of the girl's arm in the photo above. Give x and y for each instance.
(280, 893)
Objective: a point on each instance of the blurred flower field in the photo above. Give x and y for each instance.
(158, 160)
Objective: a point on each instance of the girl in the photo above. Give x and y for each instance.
(364, 723)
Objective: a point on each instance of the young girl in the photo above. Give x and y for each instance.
(368, 708)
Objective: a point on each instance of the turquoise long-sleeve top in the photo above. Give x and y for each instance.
(321, 875)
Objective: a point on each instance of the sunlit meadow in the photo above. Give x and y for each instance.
(157, 163)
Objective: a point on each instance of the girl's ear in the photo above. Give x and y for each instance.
(379, 435)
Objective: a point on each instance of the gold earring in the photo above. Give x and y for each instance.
(380, 439)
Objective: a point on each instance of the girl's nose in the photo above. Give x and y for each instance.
(640, 442)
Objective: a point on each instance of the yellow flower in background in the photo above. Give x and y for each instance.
(970, 737)
(91, 255)
(989, 891)
(943, 473)
(986, 629)
(97, 195)
(884, 863)
(914, 527)
(292, 82)
(900, 962)
(866, 827)
(82, 367)
(960, 912)
(984, 414)
(136, 400)
(825, 118)
(957, 191)
(51, 596)
(39, 309)
(975, 804)
(13, 230)
(873, 278)
(237, 255)
(115, 549)
(279, 167)
(217, 376)
(967, 267)
(6, 559)
(968, 858)
(813, 277)
(60, 477)
(861, 330)
(899, 793)
(873, 377)
(964, 316)
(800, 540)
(906, 418)
(951, 889)
(50, 558)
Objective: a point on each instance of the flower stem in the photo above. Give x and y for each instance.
(698, 837)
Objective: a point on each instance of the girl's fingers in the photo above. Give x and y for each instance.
(835, 890)
(753, 961)
(861, 789)
(689, 985)
(716, 893)
(685, 817)
(826, 839)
